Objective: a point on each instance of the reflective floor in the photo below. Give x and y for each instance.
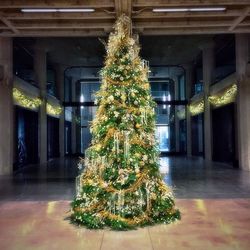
(189, 178)
(214, 200)
(221, 224)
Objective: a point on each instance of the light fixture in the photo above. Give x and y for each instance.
(76, 10)
(82, 100)
(208, 9)
(170, 9)
(189, 9)
(57, 10)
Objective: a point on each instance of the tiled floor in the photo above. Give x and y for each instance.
(206, 224)
(214, 200)
(190, 178)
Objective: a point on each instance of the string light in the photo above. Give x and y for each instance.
(120, 185)
(25, 101)
(197, 108)
(53, 110)
(228, 96)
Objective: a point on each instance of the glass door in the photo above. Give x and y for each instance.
(162, 134)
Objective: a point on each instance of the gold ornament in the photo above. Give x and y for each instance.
(137, 125)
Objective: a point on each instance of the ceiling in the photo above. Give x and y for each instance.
(236, 18)
(89, 51)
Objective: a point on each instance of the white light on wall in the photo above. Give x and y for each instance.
(189, 9)
(82, 100)
(170, 10)
(208, 9)
(76, 10)
(57, 10)
(38, 10)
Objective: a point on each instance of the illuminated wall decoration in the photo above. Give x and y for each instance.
(53, 110)
(228, 96)
(196, 108)
(26, 101)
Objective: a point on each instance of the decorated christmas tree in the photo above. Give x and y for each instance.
(120, 185)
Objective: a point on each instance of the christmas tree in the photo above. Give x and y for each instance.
(121, 186)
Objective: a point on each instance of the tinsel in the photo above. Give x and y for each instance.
(120, 185)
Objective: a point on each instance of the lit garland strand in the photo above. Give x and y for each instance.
(126, 144)
(116, 142)
(197, 108)
(227, 97)
(25, 101)
(78, 185)
(53, 110)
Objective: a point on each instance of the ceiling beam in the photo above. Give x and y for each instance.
(193, 31)
(60, 16)
(14, 4)
(186, 24)
(239, 19)
(9, 24)
(100, 33)
(147, 13)
(123, 7)
(108, 25)
(65, 25)
(179, 3)
(58, 33)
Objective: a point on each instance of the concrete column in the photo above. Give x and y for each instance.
(40, 67)
(189, 74)
(59, 69)
(208, 61)
(6, 106)
(243, 99)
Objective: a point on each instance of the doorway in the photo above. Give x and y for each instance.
(224, 134)
(162, 134)
(26, 137)
(53, 137)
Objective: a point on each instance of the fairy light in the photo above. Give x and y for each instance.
(26, 101)
(53, 110)
(197, 108)
(227, 97)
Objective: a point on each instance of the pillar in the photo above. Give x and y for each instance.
(189, 75)
(243, 99)
(40, 67)
(6, 106)
(59, 69)
(208, 62)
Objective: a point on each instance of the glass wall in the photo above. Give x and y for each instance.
(168, 90)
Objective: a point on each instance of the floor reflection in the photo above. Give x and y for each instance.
(189, 178)
(206, 224)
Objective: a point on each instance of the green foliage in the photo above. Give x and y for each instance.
(126, 107)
